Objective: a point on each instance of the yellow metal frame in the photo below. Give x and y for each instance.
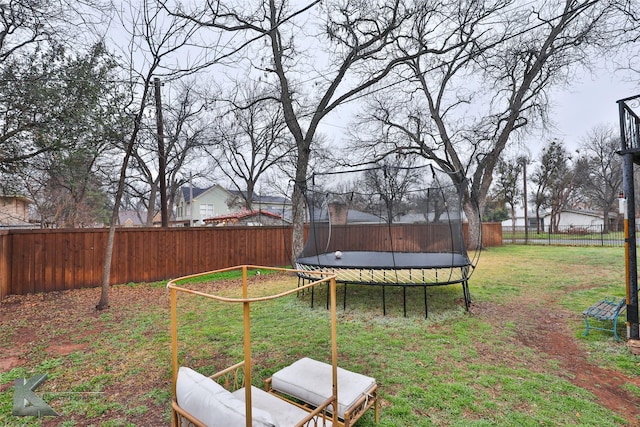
(246, 302)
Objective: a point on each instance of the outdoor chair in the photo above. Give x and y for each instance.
(309, 381)
(604, 311)
(203, 402)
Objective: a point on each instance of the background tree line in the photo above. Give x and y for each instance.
(588, 179)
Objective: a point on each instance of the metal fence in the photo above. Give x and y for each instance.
(593, 235)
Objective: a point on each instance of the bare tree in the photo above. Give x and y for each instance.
(152, 39)
(186, 123)
(565, 182)
(473, 79)
(355, 48)
(250, 139)
(625, 54)
(481, 78)
(602, 174)
(555, 183)
(507, 186)
(391, 185)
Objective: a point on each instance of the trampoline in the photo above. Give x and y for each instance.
(387, 226)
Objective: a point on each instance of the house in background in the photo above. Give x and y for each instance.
(14, 211)
(519, 223)
(274, 204)
(130, 218)
(194, 205)
(133, 218)
(582, 218)
(568, 218)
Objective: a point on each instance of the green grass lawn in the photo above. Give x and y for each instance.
(452, 369)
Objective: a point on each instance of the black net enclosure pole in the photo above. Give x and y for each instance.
(630, 152)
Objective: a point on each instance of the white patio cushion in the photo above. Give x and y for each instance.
(212, 404)
(311, 382)
(285, 413)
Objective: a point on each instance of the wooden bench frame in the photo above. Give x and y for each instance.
(606, 310)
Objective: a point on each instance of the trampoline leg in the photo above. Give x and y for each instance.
(404, 300)
(312, 296)
(467, 295)
(384, 305)
(328, 292)
(426, 313)
(344, 298)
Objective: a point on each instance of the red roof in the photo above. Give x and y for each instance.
(237, 216)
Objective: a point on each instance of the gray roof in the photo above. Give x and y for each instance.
(257, 198)
(186, 192)
(353, 216)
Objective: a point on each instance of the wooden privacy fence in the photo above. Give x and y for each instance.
(436, 237)
(53, 260)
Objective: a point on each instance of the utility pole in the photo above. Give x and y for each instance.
(162, 160)
(190, 199)
(524, 197)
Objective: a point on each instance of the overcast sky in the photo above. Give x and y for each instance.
(589, 103)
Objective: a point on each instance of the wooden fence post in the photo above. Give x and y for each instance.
(5, 263)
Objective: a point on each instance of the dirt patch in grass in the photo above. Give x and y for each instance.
(7, 363)
(546, 330)
(55, 325)
(65, 349)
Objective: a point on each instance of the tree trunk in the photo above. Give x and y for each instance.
(151, 209)
(475, 226)
(248, 203)
(513, 224)
(298, 200)
(106, 272)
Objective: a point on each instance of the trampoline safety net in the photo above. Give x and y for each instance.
(387, 225)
